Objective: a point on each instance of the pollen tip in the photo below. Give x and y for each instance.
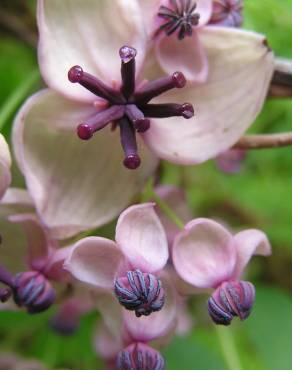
(75, 74)
(142, 125)
(132, 161)
(84, 131)
(127, 53)
(187, 110)
(179, 80)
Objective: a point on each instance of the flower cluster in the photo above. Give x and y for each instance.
(129, 84)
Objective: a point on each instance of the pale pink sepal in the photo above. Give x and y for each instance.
(204, 254)
(95, 261)
(141, 237)
(106, 344)
(248, 243)
(240, 70)
(88, 33)
(5, 163)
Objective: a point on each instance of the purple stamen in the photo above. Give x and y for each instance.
(180, 17)
(128, 109)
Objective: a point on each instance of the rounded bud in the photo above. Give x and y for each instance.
(127, 53)
(84, 131)
(132, 161)
(142, 125)
(139, 356)
(179, 80)
(75, 74)
(140, 292)
(187, 110)
(32, 290)
(230, 299)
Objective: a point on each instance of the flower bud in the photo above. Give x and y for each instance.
(227, 13)
(230, 299)
(140, 292)
(139, 356)
(33, 291)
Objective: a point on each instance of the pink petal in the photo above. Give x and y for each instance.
(86, 33)
(158, 324)
(95, 261)
(141, 237)
(5, 163)
(241, 67)
(248, 243)
(186, 56)
(54, 268)
(204, 8)
(68, 178)
(39, 242)
(16, 201)
(203, 253)
(106, 344)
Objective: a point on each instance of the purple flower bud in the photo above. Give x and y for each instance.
(140, 292)
(231, 160)
(227, 13)
(230, 299)
(139, 356)
(32, 290)
(5, 294)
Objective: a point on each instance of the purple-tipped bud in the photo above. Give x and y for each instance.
(140, 292)
(5, 294)
(132, 161)
(139, 356)
(33, 291)
(127, 53)
(179, 80)
(142, 125)
(84, 131)
(187, 110)
(75, 74)
(230, 299)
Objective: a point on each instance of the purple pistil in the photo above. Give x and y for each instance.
(180, 17)
(139, 356)
(140, 292)
(129, 108)
(230, 299)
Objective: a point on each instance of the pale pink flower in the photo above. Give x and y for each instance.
(131, 265)
(206, 255)
(67, 178)
(30, 258)
(5, 163)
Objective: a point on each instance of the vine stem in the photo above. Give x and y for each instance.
(14, 100)
(224, 335)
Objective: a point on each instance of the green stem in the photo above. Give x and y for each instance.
(16, 98)
(228, 348)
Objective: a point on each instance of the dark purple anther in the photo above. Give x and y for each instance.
(33, 291)
(180, 16)
(230, 299)
(140, 292)
(128, 107)
(139, 356)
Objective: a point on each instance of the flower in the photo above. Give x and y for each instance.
(30, 258)
(5, 163)
(231, 161)
(227, 13)
(206, 255)
(130, 265)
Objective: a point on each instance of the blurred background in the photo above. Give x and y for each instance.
(259, 195)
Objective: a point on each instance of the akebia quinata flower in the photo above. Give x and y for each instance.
(129, 267)
(5, 163)
(206, 255)
(227, 13)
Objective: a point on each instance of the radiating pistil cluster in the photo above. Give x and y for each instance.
(231, 299)
(180, 17)
(128, 108)
(140, 292)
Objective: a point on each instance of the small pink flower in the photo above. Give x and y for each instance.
(129, 266)
(227, 13)
(206, 255)
(5, 163)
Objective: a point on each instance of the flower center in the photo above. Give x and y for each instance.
(140, 292)
(230, 299)
(180, 17)
(227, 13)
(128, 108)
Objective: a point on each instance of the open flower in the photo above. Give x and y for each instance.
(30, 258)
(129, 267)
(207, 255)
(5, 163)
